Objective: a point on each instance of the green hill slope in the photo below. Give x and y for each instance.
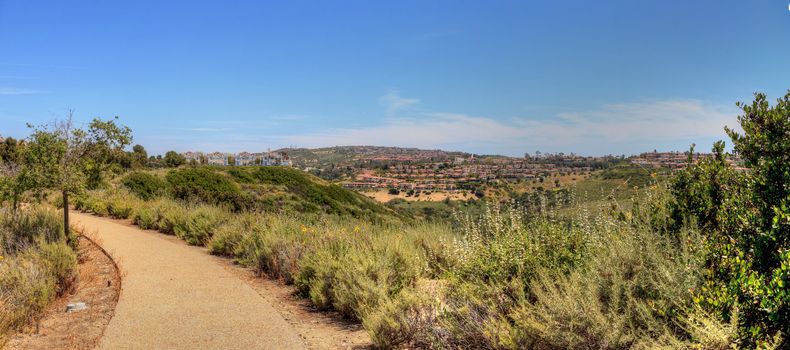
(257, 188)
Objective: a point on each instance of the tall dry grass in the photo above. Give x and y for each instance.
(36, 265)
(505, 279)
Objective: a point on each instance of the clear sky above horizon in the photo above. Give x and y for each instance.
(503, 77)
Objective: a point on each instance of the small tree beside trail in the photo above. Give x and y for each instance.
(67, 159)
(105, 141)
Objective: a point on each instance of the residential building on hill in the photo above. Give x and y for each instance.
(241, 158)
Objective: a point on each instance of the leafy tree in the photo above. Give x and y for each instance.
(12, 174)
(14, 181)
(139, 157)
(746, 215)
(9, 150)
(106, 143)
(64, 158)
(173, 160)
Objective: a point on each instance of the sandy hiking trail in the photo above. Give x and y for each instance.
(175, 296)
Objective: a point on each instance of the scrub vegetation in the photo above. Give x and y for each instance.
(696, 259)
(36, 265)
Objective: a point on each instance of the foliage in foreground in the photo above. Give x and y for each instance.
(505, 280)
(746, 217)
(703, 265)
(36, 265)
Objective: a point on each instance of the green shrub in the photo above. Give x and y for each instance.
(635, 293)
(199, 224)
(208, 186)
(313, 194)
(25, 229)
(746, 217)
(147, 218)
(144, 185)
(36, 265)
(517, 281)
(228, 238)
(171, 217)
(92, 202)
(405, 319)
(122, 205)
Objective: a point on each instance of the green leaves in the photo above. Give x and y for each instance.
(745, 215)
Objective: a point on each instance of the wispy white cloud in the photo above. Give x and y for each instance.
(394, 102)
(17, 91)
(614, 128)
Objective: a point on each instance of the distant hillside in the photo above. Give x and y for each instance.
(348, 154)
(258, 188)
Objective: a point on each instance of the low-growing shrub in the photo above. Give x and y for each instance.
(92, 202)
(207, 186)
(228, 238)
(36, 265)
(26, 228)
(197, 225)
(145, 185)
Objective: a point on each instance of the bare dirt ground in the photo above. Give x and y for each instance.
(383, 196)
(98, 286)
(178, 296)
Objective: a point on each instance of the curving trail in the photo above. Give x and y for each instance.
(174, 296)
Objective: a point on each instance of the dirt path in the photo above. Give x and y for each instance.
(175, 296)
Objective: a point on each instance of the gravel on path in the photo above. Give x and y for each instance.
(174, 296)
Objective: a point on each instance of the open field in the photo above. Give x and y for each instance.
(383, 196)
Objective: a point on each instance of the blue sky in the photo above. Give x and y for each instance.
(503, 77)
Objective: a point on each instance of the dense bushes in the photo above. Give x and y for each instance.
(271, 189)
(313, 195)
(36, 265)
(516, 281)
(144, 185)
(746, 216)
(208, 186)
(116, 204)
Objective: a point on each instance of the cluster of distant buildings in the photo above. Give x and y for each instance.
(239, 159)
(677, 160)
